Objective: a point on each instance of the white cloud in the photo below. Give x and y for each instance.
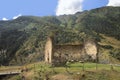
(68, 7)
(4, 19)
(15, 17)
(114, 3)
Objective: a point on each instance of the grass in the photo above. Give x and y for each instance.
(75, 70)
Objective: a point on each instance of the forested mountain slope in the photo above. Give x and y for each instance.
(22, 40)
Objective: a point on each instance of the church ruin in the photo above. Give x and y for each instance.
(55, 53)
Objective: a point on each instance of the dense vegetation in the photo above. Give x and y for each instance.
(22, 40)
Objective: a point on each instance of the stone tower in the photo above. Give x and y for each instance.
(48, 50)
(91, 49)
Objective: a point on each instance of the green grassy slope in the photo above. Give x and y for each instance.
(41, 71)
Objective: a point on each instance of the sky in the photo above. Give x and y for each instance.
(12, 9)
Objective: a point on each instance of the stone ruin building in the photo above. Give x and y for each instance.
(59, 54)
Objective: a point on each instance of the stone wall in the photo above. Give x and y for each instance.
(48, 50)
(62, 53)
(91, 49)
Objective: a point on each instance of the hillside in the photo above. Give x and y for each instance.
(22, 40)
